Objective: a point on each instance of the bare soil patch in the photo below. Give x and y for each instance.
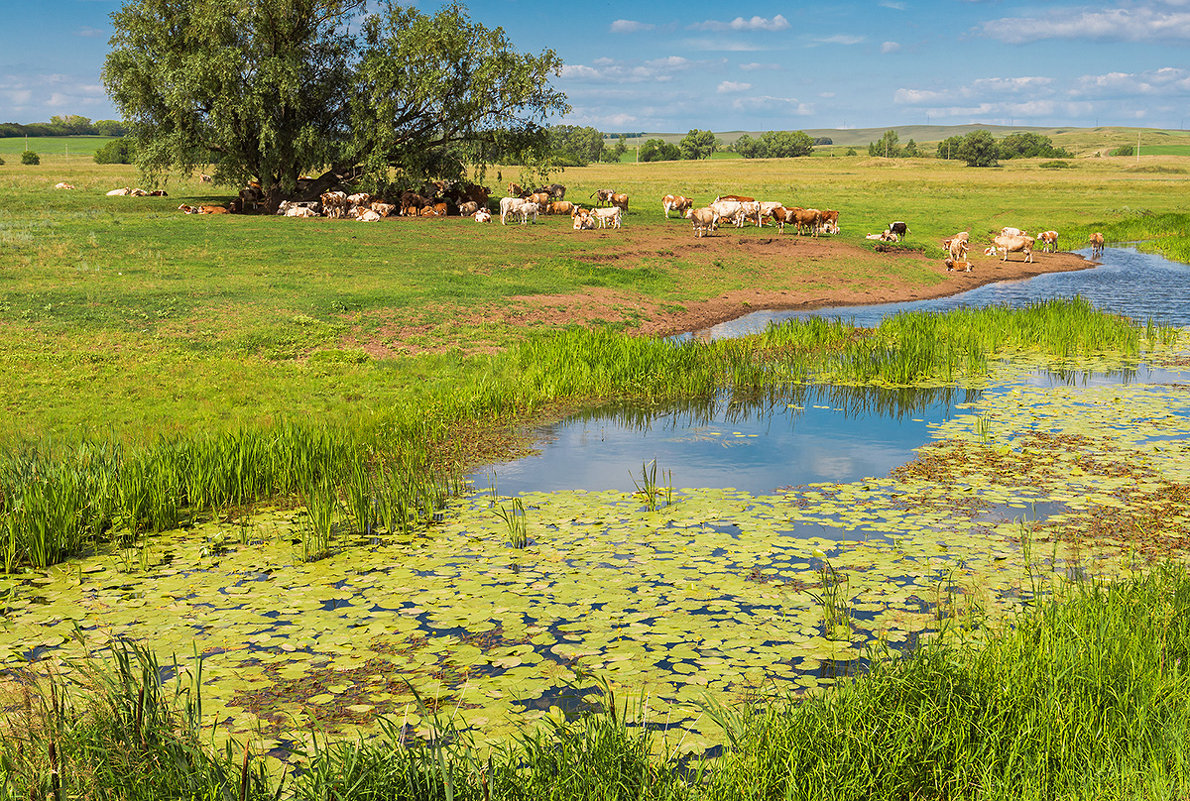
(778, 271)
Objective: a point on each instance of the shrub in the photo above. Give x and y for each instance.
(1055, 165)
(1123, 150)
(117, 151)
(29, 157)
(1, 161)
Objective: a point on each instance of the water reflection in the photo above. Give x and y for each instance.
(794, 435)
(1124, 282)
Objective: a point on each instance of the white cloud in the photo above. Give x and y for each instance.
(1136, 23)
(580, 72)
(610, 71)
(732, 86)
(890, 47)
(756, 65)
(840, 39)
(777, 23)
(38, 96)
(630, 26)
(89, 32)
(893, 4)
(977, 90)
(1166, 81)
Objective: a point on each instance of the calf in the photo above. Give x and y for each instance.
(1012, 232)
(468, 208)
(203, 178)
(898, 229)
(482, 216)
(63, 185)
(1096, 240)
(957, 247)
(382, 208)
(1049, 241)
(366, 215)
(583, 222)
(676, 203)
(704, 220)
(829, 221)
(602, 196)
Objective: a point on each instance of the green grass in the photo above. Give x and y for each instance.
(65, 146)
(1087, 695)
(406, 457)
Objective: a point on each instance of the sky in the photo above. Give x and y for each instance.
(668, 66)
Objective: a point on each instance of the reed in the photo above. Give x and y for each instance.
(650, 490)
(401, 465)
(515, 522)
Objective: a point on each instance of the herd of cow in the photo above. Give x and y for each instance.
(441, 199)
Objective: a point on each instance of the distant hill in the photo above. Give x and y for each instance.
(1072, 138)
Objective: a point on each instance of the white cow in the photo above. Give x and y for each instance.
(607, 217)
(731, 210)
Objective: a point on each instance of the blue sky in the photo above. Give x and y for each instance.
(672, 66)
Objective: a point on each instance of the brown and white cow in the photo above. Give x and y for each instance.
(678, 203)
(603, 196)
(1096, 240)
(1049, 241)
(620, 201)
(828, 222)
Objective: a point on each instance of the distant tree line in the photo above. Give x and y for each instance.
(776, 145)
(980, 149)
(696, 144)
(67, 125)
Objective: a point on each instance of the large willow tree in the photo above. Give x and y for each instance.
(273, 89)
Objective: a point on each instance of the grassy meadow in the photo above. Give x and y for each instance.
(65, 146)
(215, 322)
(193, 374)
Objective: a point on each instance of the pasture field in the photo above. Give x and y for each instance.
(291, 378)
(124, 317)
(64, 146)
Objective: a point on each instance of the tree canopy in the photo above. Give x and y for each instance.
(274, 89)
(659, 150)
(697, 144)
(775, 145)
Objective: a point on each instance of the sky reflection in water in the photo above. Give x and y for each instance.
(861, 432)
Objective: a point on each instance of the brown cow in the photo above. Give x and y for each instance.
(829, 222)
(739, 198)
(1096, 240)
(805, 218)
(560, 207)
(620, 202)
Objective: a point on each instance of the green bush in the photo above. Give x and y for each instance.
(29, 157)
(117, 151)
(1123, 150)
(1055, 165)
